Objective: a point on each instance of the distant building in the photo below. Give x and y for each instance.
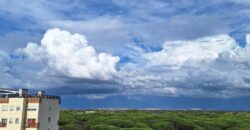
(89, 112)
(21, 111)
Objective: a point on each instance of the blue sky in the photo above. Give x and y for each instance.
(129, 53)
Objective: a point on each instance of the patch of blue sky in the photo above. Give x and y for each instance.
(85, 9)
(17, 57)
(11, 24)
(239, 30)
(141, 44)
(124, 60)
(7, 25)
(240, 37)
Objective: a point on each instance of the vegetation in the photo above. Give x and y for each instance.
(154, 120)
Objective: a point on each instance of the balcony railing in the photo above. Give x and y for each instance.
(4, 100)
(2, 124)
(32, 125)
(34, 100)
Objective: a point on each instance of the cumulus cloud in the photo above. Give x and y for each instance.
(71, 55)
(203, 49)
(211, 66)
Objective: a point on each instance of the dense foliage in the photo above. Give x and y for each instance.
(154, 120)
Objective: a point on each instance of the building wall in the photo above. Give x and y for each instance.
(13, 113)
(49, 114)
(32, 114)
(45, 111)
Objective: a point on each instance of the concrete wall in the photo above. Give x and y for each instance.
(14, 103)
(49, 108)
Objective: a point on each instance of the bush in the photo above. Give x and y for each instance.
(242, 127)
(181, 124)
(136, 129)
(141, 125)
(69, 127)
(121, 123)
(103, 127)
(163, 126)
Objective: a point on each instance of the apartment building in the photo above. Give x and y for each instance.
(20, 110)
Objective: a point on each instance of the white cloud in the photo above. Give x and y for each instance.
(70, 55)
(213, 66)
(203, 49)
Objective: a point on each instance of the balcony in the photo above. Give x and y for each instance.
(2, 124)
(32, 125)
(4, 100)
(34, 100)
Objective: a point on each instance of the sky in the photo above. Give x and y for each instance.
(164, 54)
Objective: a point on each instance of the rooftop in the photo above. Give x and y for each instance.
(24, 93)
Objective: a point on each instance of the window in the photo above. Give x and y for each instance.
(3, 122)
(4, 108)
(17, 121)
(12, 108)
(50, 108)
(49, 119)
(31, 123)
(18, 108)
(32, 108)
(11, 121)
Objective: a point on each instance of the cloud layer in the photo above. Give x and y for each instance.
(65, 63)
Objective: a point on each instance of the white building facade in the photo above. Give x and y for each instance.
(21, 111)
